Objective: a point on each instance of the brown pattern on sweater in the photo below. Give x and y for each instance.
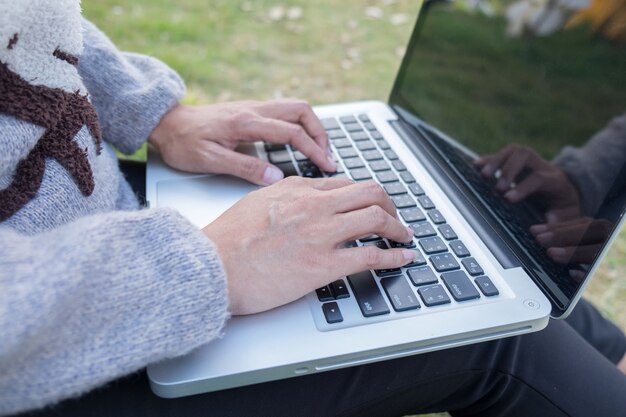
(62, 114)
(12, 41)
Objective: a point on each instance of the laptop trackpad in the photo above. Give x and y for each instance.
(202, 199)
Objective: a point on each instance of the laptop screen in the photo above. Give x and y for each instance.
(538, 105)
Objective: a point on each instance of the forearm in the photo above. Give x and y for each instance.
(100, 298)
(131, 92)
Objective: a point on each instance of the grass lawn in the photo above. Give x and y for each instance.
(324, 51)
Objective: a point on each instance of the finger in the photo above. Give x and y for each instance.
(372, 220)
(491, 163)
(278, 131)
(525, 188)
(327, 184)
(243, 166)
(360, 195)
(510, 170)
(351, 260)
(574, 254)
(297, 111)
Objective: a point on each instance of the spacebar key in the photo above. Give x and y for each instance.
(367, 294)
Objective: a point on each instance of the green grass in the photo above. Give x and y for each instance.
(333, 52)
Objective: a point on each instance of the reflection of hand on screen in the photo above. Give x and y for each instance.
(523, 174)
(573, 241)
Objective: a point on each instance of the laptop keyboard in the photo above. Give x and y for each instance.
(443, 273)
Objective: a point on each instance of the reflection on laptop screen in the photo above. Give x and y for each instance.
(466, 77)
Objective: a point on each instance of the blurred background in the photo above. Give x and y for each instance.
(332, 51)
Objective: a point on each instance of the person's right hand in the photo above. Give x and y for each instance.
(524, 174)
(284, 241)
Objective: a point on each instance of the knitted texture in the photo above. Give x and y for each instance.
(92, 289)
(99, 298)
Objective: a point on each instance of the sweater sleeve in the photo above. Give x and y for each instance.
(99, 298)
(593, 166)
(131, 92)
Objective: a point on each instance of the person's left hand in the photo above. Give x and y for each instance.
(202, 139)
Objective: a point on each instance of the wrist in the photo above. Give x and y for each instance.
(161, 133)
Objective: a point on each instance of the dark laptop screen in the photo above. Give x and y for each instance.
(548, 112)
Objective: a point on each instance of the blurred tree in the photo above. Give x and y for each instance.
(607, 17)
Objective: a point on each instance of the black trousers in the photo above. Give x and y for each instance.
(567, 369)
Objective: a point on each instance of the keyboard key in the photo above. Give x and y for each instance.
(399, 166)
(288, 169)
(407, 177)
(367, 294)
(363, 117)
(413, 214)
(418, 261)
(271, 147)
(279, 157)
(324, 294)
(436, 217)
(355, 162)
(486, 286)
(395, 244)
(423, 275)
(382, 144)
(365, 145)
(300, 156)
(394, 188)
(444, 262)
(447, 232)
(400, 293)
(330, 123)
(370, 238)
(309, 170)
(433, 295)
(423, 230)
(360, 174)
(376, 134)
(387, 272)
(372, 155)
(368, 125)
(472, 266)
(336, 134)
(347, 152)
(357, 136)
(339, 289)
(386, 176)
(341, 143)
(391, 155)
(459, 249)
(353, 127)
(332, 313)
(416, 189)
(348, 119)
(432, 245)
(403, 201)
(379, 165)
(460, 286)
(426, 202)
(380, 244)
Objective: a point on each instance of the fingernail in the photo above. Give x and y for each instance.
(409, 255)
(545, 238)
(272, 175)
(511, 195)
(410, 232)
(329, 152)
(332, 162)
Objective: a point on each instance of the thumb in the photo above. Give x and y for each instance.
(250, 168)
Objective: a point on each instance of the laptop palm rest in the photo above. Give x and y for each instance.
(202, 199)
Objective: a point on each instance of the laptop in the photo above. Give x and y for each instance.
(463, 90)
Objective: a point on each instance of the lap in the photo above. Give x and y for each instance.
(552, 372)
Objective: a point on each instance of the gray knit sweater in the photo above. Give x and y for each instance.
(91, 288)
